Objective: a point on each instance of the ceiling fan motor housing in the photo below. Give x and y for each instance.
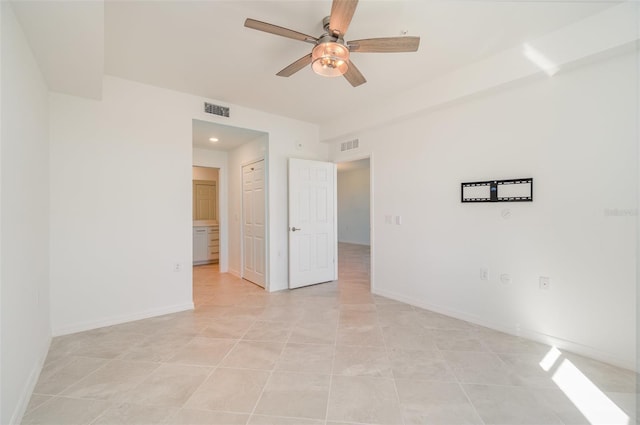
(326, 21)
(330, 57)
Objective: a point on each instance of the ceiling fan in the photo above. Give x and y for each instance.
(330, 56)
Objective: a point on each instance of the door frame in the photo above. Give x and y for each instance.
(368, 156)
(266, 219)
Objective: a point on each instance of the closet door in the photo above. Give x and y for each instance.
(253, 222)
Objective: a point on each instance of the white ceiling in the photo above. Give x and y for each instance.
(202, 47)
(228, 137)
(67, 39)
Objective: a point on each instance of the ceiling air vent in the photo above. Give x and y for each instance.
(347, 146)
(210, 108)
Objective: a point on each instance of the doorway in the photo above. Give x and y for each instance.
(206, 234)
(228, 148)
(355, 218)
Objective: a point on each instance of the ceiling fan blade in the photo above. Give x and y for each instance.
(385, 45)
(295, 67)
(281, 31)
(341, 13)
(354, 76)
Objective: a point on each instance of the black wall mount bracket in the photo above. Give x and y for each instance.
(512, 190)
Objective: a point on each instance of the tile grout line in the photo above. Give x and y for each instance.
(255, 406)
(393, 375)
(333, 361)
(216, 367)
(61, 393)
(104, 412)
(346, 292)
(457, 380)
(464, 391)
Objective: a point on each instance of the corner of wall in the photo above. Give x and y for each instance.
(30, 384)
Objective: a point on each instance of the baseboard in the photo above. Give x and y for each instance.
(116, 320)
(356, 243)
(23, 402)
(235, 272)
(561, 343)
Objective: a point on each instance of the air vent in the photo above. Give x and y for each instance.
(210, 108)
(347, 146)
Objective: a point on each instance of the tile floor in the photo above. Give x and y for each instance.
(322, 355)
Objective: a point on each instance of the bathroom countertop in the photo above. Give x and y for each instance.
(199, 223)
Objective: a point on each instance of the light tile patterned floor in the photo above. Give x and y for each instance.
(327, 354)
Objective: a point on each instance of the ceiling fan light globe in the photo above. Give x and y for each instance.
(330, 59)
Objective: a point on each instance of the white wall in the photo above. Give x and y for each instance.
(24, 252)
(218, 159)
(638, 239)
(116, 231)
(120, 210)
(353, 206)
(575, 134)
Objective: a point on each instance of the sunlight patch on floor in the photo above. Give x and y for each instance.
(594, 404)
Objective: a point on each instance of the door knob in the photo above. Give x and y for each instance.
(293, 229)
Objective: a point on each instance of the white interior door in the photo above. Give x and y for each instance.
(253, 222)
(312, 222)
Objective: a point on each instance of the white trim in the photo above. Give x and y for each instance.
(116, 320)
(372, 257)
(267, 218)
(354, 243)
(561, 343)
(25, 397)
(335, 221)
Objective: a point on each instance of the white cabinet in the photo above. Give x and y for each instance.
(206, 243)
(200, 245)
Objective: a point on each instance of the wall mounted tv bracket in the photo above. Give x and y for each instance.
(514, 190)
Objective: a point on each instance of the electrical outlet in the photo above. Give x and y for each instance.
(484, 273)
(545, 282)
(177, 267)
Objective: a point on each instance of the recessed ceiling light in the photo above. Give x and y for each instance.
(213, 139)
